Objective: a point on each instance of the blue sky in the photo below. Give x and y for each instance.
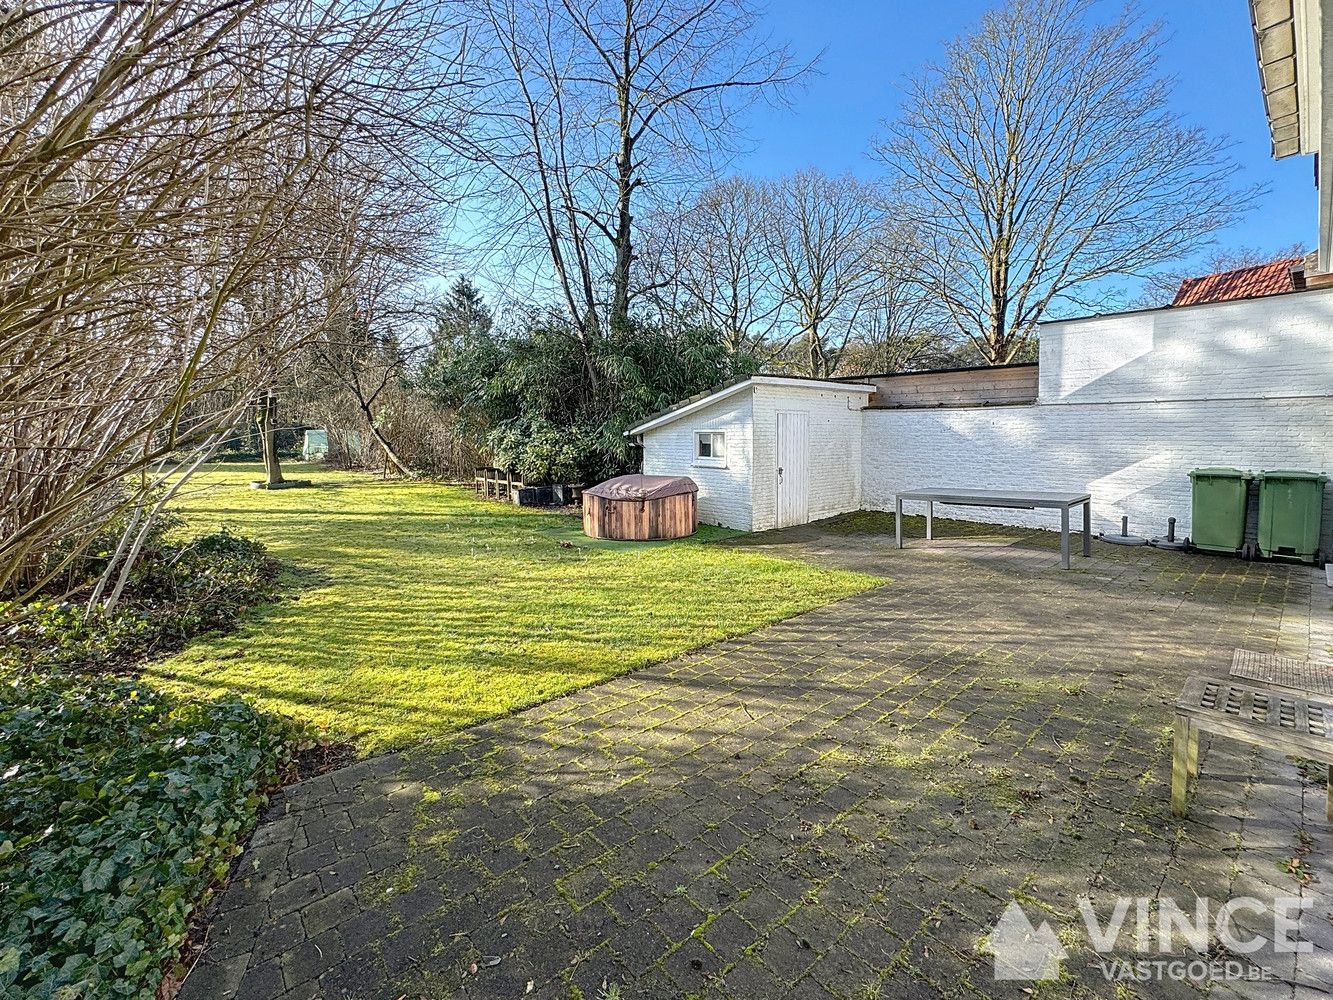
(870, 46)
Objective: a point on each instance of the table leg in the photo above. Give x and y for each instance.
(1180, 766)
(1064, 537)
(1194, 752)
(1087, 529)
(898, 522)
(930, 519)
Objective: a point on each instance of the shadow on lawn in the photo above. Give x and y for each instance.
(432, 610)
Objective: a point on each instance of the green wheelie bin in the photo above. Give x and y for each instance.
(1217, 510)
(1291, 508)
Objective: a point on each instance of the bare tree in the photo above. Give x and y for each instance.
(361, 353)
(724, 268)
(164, 244)
(819, 235)
(902, 327)
(359, 360)
(585, 112)
(662, 252)
(1042, 158)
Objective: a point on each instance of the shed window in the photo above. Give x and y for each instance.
(710, 448)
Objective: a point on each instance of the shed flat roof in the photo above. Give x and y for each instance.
(711, 396)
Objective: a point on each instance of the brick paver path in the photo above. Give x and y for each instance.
(840, 805)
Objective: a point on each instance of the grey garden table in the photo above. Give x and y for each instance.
(1012, 498)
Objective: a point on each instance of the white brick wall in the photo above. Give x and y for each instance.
(724, 494)
(1135, 459)
(1128, 406)
(835, 449)
(1279, 346)
(743, 495)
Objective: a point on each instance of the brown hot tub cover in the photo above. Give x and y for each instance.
(642, 487)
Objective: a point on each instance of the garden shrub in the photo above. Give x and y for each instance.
(119, 807)
(555, 410)
(177, 590)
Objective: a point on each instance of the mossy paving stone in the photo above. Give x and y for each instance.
(940, 964)
(903, 983)
(409, 947)
(364, 931)
(782, 951)
(640, 946)
(346, 872)
(905, 764)
(277, 937)
(262, 981)
(676, 918)
(711, 892)
(312, 958)
(235, 930)
(534, 956)
(633, 899)
(871, 941)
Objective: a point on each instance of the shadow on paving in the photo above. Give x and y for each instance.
(839, 805)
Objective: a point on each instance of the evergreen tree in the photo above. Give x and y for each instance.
(463, 316)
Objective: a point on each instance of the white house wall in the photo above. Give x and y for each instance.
(724, 494)
(1277, 347)
(1135, 459)
(835, 449)
(1128, 405)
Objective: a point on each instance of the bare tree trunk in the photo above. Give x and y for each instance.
(625, 180)
(816, 357)
(266, 416)
(391, 457)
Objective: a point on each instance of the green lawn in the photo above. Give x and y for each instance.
(427, 610)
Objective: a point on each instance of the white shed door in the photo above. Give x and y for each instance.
(793, 470)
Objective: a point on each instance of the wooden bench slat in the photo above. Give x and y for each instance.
(1276, 719)
(1283, 671)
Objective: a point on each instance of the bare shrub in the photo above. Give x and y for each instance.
(185, 189)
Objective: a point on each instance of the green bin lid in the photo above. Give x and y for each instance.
(1292, 474)
(1221, 473)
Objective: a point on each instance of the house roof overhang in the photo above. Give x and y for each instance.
(1286, 45)
(695, 403)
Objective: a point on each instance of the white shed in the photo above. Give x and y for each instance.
(767, 451)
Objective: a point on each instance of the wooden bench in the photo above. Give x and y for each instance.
(499, 484)
(1302, 676)
(1277, 720)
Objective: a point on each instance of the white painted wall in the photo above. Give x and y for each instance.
(1128, 405)
(1134, 459)
(835, 449)
(1275, 347)
(724, 494)
(744, 494)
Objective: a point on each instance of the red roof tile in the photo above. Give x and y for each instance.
(1243, 283)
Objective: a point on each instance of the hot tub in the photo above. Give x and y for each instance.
(641, 508)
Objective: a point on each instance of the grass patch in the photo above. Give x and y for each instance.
(436, 610)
